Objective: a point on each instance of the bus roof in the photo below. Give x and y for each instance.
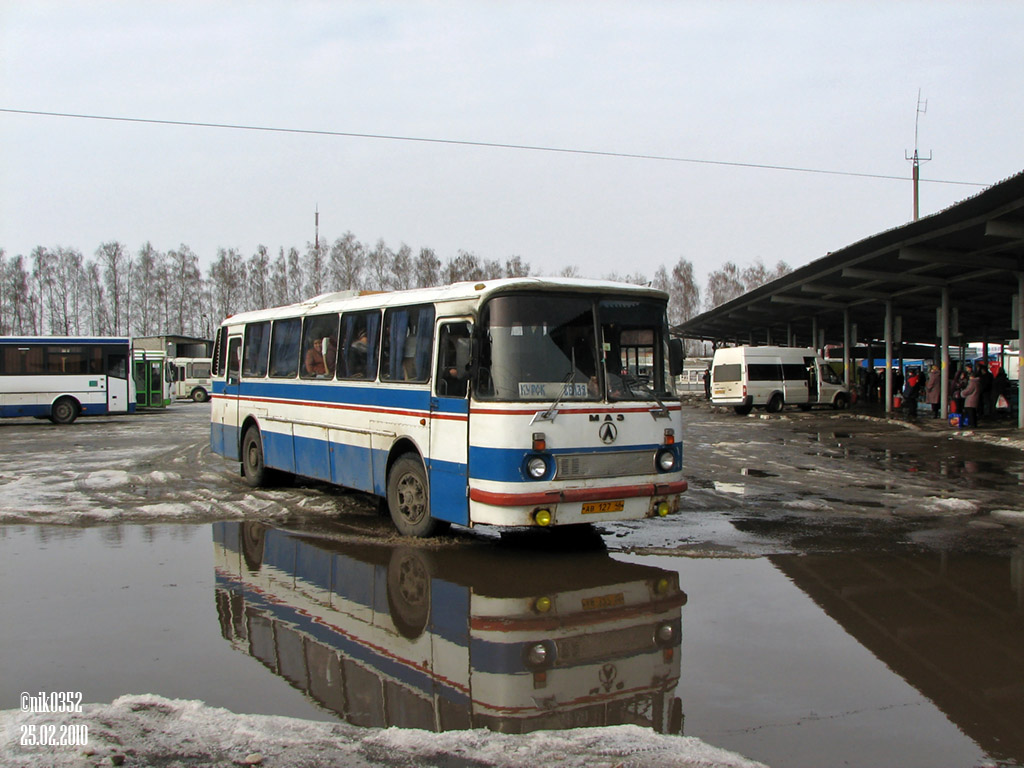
(64, 340)
(470, 291)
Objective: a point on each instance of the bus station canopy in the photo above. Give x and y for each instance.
(973, 252)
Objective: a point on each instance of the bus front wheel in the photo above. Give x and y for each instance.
(64, 411)
(409, 498)
(199, 395)
(253, 468)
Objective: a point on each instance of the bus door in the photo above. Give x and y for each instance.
(229, 437)
(811, 364)
(448, 463)
(118, 395)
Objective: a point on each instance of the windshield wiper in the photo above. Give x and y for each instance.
(552, 411)
(661, 412)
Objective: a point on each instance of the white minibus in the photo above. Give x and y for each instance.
(773, 377)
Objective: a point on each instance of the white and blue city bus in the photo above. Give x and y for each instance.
(64, 377)
(518, 402)
(514, 640)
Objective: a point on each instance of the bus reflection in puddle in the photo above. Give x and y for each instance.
(475, 637)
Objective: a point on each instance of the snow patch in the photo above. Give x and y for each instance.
(151, 730)
(1015, 516)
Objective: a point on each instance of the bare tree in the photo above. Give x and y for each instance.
(345, 263)
(295, 282)
(724, 285)
(401, 268)
(16, 316)
(380, 260)
(115, 266)
(257, 270)
(226, 282)
(279, 293)
(427, 269)
(185, 292)
(516, 267)
(146, 286)
(316, 268)
(465, 266)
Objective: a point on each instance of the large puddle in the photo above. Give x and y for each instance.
(817, 660)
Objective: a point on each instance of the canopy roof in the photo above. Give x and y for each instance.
(975, 248)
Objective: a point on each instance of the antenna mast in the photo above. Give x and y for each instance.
(922, 108)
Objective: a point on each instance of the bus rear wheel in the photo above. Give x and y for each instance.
(253, 468)
(64, 411)
(409, 498)
(199, 395)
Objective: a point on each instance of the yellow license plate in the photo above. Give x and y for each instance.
(596, 507)
(604, 601)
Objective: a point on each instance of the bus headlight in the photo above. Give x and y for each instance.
(666, 460)
(665, 634)
(542, 517)
(538, 656)
(536, 467)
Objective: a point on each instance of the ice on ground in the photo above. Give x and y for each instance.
(1009, 515)
(152, 730)
(951, 506)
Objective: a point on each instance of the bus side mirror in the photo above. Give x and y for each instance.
(676, 355)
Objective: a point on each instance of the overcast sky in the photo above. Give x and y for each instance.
(816, 85)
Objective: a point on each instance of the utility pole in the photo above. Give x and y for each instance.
(316, 225)
(922, 107)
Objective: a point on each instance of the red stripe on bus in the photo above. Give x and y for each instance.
(549, 623)
(532, 411)
(436, 415)
(498, 499)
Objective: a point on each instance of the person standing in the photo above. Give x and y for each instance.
(959, 385)
(707, 383)
(972, 399)
(987, 404)
(933, 390)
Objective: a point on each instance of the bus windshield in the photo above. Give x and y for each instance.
(548, 347)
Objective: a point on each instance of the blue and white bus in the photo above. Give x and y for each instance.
(518, 402)
(64, 377)
(514, 640)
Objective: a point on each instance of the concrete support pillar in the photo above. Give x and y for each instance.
(814, 335)
(1020, 350)
(847, 373)
(888, 357)
(944, 340)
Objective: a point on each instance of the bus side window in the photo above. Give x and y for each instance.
(357, 353)
(256, 350)
(234, 359)
(408, 339)
(453, 351)
(284, 348)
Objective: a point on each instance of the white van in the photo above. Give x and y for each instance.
(772, 377)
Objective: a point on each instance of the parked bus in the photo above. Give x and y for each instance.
(189, 378)
(519, 402)
(388, 635)
(63, 377)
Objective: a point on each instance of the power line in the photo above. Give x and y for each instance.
(485, 144)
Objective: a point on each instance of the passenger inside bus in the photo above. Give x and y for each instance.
(314, 360)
